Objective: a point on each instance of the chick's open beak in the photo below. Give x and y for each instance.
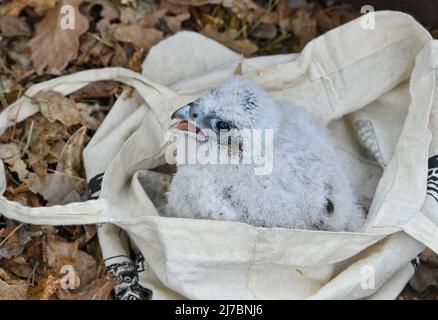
(186, 122)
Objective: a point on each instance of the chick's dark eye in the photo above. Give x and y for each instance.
(194, 115)
(222, 125)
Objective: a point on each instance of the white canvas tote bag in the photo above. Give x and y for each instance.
(377, 91)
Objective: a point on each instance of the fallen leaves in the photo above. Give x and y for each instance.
(99, 289)
(243, 46)
(427, 274)
(11, 26)
(10, 288)
(14, 240)
(64, 185)
(143, 38)
(15, 7)
(54, 106)
(10, 154)
(304, 28)
(53, 47)
(42, 155)
(44, 142)
(175, 23)
(45, 289)
(56, 188)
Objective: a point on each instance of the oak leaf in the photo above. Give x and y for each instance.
(53, 47)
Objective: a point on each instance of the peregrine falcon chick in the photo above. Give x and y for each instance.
(307, 188)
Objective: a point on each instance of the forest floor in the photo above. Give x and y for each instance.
(42, 155)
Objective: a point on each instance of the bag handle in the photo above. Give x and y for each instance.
(91, 211)
(152, 93)
(422, 229)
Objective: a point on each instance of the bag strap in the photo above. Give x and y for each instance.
(152, 93)
(91, 211)
(422, 229)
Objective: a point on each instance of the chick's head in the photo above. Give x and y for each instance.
(235, 105)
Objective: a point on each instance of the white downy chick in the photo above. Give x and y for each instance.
(308, 187)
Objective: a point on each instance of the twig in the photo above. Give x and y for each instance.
(271, 6)
(3, 101)
(10, 234)
(32, 275)
(95, 36)
(15, 123)
(29, 136)
(65, 174)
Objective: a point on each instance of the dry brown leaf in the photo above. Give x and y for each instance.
(141, 18)
(10, 154)
(45, 142)
(140, 37)
(249, 11)
(429, 257)
(11, 26)
(18, 53)
(15, 7)
(283, 12)
(10, 288)
(70, 162)
(99, 289)
(23, 187)
(85, 267)
(303, 27)
(92, 115)
(120, 58)
(96, 90)
(265, 31)
(18, 166)
(326, 22)
(9, 150)
(54, 106)
(296, 4)
(53, 47)
(173, 8)
(13, 239)
(34, 254)
(57, 188)
(45, 289)
(18, 266)
(196, 2)
(424, 277)
(60, 252)
(109, 10)
(243, 46)
(136, 61)
(174, 23)
(93, 51)
(25, 198)
(90, 232)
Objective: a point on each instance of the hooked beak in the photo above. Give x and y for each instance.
(187, 123)
(181, 113)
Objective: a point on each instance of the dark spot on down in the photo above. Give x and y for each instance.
(318, 225)
(330, 208)
(226, 193)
